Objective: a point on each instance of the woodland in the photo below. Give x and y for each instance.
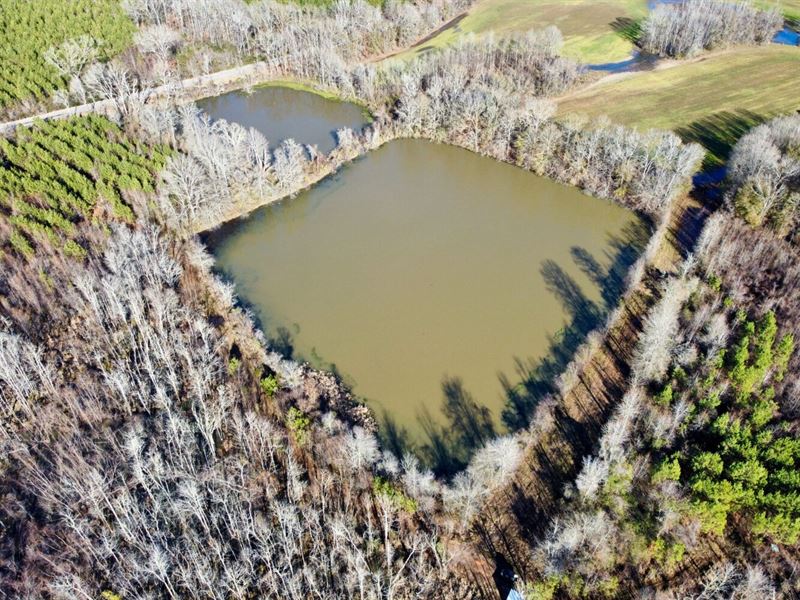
(155, 444)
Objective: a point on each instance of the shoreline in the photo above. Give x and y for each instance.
(250, 203)
(252, 75)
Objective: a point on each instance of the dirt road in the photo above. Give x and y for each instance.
(186, 90)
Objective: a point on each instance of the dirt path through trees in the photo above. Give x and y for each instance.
(182, 91)
(426, 38)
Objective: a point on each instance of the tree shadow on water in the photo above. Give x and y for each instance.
(446, 449)
(625, 249)
(446, 444)
(535, 378)
(472, 423)
(394, 437)
(282, 342)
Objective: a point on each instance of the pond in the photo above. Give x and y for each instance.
(424, 274)
(787, 36)
(280, 113)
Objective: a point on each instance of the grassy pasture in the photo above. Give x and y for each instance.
(712, 100)
(790, 8)
(589, 28)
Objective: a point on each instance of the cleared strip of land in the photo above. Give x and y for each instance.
(181, 91)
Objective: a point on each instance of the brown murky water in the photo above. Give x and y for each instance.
(424, 272)
(281, 113)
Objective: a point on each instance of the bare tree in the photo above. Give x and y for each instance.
(151, 471)
(70, 57)
(659, 337)
(687, 28)
(763, 183)
(160, 40)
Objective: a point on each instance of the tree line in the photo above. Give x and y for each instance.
(488, 96)
(316, 42)
(60, 52)
(763, 178)
(684, 29)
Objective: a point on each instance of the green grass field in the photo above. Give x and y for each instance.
(589, 28)
(790, 8)
(712, 100)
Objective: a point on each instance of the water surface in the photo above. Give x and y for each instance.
(787, 37)
(281, 113)
(422, 272)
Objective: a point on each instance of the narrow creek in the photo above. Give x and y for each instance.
(427, 276)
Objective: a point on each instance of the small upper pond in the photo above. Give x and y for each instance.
(281, 113)
(424, 274)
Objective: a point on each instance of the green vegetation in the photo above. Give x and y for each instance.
(747, 464)
(712, 101)
(720, 436)
(269, 385)
(29, 28)
(573, 585)
(594, 32)
(383, 487)
(542, 590)
(739, 456)
(55, 174)
(299, 424)
(667, 554)
(669, 469)
(789, 8)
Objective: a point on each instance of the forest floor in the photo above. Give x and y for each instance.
(522, 511)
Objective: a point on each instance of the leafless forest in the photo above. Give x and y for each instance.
(155, 446)
(687, 28)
